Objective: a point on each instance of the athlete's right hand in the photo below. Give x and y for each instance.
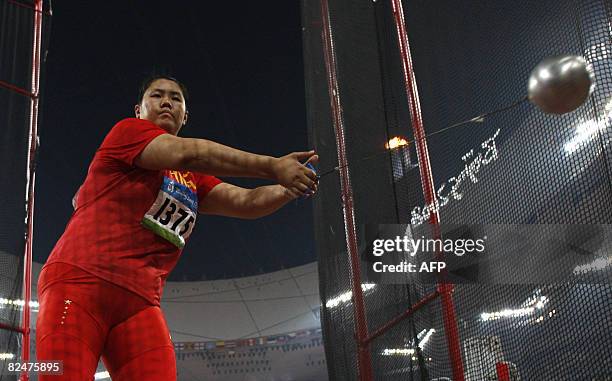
(295, 176)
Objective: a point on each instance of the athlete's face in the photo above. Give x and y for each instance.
(163, 104)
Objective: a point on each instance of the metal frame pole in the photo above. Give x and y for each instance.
(31, 179)
(448, 309)
(361, 326)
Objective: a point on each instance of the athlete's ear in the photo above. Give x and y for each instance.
(137, 111)
(186, 117)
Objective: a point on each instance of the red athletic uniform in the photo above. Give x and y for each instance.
(100, 289)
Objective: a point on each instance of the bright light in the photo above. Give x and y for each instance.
(102, 376)
(17, 302)
(347, 296)
(421, 334)
(541, 302)
(426, 338)
(487, 316)
(410, 351)
(398, 352)
(538, 301)
(530, 306)
(597, 265)
(585, 131)
(396, 142)
(7, 356)
(597, 52)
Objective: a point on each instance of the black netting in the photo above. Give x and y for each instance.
(16, 36)
(520, 166)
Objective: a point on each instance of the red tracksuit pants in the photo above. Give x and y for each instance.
(82, 318)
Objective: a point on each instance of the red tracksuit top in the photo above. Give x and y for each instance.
(130, 224)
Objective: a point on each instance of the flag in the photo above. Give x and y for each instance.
(241, 343)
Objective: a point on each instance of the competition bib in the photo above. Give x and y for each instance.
(173, 214)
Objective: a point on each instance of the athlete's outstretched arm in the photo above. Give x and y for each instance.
(172, 152)
(233, 201)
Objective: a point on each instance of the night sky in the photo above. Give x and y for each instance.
(243, 68)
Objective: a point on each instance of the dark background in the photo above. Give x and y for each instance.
(243, 68)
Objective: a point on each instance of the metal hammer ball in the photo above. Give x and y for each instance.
(560, 84)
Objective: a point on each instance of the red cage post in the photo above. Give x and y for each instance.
(33, 94)
(448, 309)
(31, 180)
(361, 326)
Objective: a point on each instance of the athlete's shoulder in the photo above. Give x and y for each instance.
(129, 129)
(128, 138)
(135, 123)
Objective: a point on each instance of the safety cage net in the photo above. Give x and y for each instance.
(518, 169)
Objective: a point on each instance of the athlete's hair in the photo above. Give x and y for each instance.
(154, 77)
